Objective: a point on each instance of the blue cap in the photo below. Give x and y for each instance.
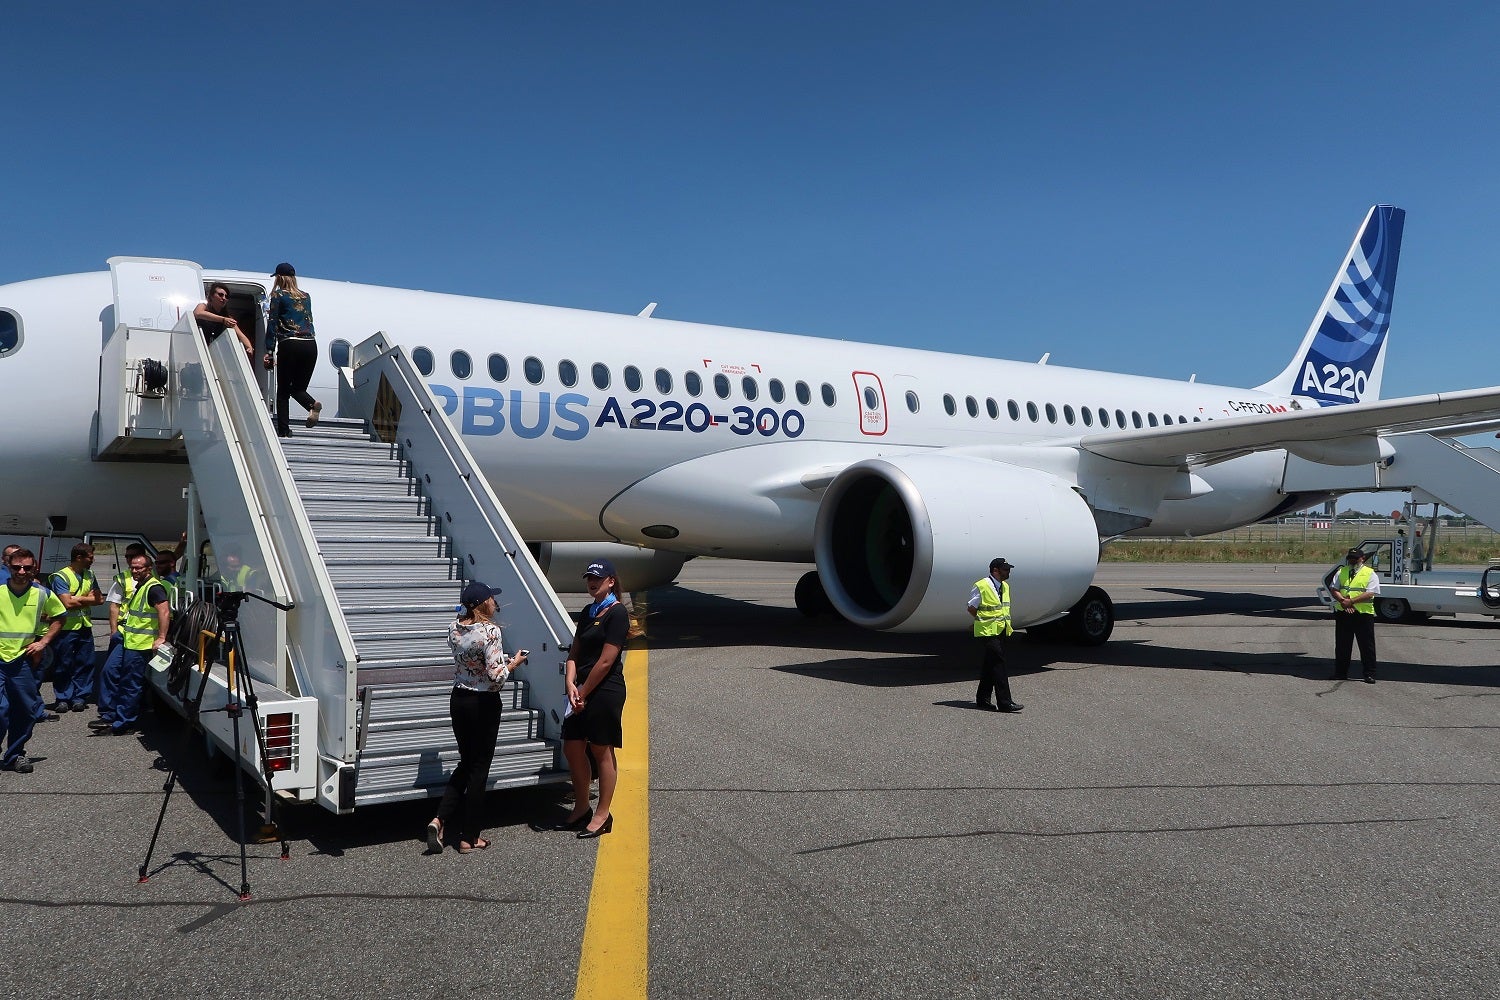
(284, 270)
(601, 568)
(476, 594)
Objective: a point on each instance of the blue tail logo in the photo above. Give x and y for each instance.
(1343, 358)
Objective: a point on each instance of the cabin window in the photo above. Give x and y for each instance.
(971, 405)
(533, 370)
(1088, 418)
(1031, 411)
(422, 358)
(1051, 414)
(949, 406)
(1012, 409)
(1135, 419)
(1151, 419)
(804, 394)
(912, 402)
(992, 408)
(632, 376)
(721, 386)
(663, 381)
(601, 375)
(1103, 417)
(567, 373)
(461, 364)
(1068, 413)
(339, 351)
(693, 383)
(10, 333)
(777, 390)
(829, 396)
(1120, 418)
(749, 388)
(499, 367)
(872, 398)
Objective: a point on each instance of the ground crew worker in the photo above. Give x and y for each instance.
(143, 629)
(121, 588)
(989, 605)
(24, 608)
(73, 650)
(1355, 590)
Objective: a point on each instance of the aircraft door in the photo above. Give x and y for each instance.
(153, 293)
(871, 396)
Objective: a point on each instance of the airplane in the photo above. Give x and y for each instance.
(897, 472)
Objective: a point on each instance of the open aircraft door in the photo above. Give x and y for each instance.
(871, 396)
(153, 293)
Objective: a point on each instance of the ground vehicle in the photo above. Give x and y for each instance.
(1406, 594)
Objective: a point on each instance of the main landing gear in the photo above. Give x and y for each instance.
(1087, 623)
(812, 600)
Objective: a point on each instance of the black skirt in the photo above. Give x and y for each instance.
(599, 722)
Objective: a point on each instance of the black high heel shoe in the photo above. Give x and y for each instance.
(573, 824)
(587, 834)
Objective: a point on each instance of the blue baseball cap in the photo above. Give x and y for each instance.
(476, 594)
(601, 568)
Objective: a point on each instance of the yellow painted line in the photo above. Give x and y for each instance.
(612, 960)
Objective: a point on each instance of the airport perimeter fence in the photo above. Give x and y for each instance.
(1316, 541)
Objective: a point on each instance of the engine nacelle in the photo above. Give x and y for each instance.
(900, 542)
(639, 569)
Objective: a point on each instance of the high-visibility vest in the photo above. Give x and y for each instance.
(126, 583)
(1355, 584)
(993, 616)
(236, 583)
(23, 617)
(78, 586)
(138, 625)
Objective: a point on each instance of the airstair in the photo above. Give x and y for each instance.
(367, 527)
(1435, 468)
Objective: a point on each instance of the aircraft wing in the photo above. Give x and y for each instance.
(1219, 440)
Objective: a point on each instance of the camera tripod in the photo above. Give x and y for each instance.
(221, 632)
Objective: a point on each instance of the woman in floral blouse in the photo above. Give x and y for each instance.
(481, 670)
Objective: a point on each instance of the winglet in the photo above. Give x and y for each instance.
(1342, 357)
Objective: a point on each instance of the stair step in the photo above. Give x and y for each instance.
(385, 546)
(320, 505)
(407, 776)
(310, 465)
(442, 660)
(436, 733)
(303, 447)
(354, 487)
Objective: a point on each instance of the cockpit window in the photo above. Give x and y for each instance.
(10, 333)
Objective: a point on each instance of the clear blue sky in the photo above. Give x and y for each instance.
(1160, 188)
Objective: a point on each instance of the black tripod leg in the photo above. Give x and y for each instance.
(239, 805)
(151, 848)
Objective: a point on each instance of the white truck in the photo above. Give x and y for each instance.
(1408, 593)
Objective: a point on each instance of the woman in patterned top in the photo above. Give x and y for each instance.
(481, 670)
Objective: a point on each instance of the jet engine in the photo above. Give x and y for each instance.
(899, 542)
(639, 569)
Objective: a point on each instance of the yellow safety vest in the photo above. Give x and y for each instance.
(1356, 584)
(24, 617)
(78, 586)
(138, 626)
(993, 616)
(236, 583)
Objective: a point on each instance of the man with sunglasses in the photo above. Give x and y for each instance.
(1354, 590)
(30, 618)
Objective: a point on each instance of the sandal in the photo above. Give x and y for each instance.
(464, 847)
(435, 835)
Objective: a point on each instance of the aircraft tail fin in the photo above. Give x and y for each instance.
(1342, 357)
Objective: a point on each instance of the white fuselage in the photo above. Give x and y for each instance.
(562, 452)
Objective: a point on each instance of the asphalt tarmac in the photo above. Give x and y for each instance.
(1192, 810)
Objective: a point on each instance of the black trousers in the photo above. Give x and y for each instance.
(1347, 629)
(295, 359)
(992, 670)
(476, 723)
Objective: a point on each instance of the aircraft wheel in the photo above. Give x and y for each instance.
(812, 600)
(1092, 619)
(1391, 609)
